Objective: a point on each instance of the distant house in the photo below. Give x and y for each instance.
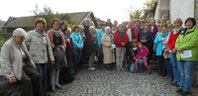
(176, 9)
(27, 23)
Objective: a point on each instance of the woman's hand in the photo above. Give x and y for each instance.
(123, 44)
(180, 50)
(68, 40)
(81, 48)
(52, 62)
(174, 51)
(145, 58)
(13, 80)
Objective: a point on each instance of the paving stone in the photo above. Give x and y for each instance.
(114, 83)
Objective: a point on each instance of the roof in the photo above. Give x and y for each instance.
(28, 21)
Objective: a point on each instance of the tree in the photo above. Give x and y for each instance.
(2, 23)
(142, 14)
(149, 5)
(49, 15)
(135, 15)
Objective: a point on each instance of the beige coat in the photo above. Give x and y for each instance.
(107, 41)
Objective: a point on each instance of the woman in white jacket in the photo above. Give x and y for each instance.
(17, 65)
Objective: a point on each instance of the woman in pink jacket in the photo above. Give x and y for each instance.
(57, 42)
(142, 55)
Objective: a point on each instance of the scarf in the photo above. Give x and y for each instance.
(39, 32)
(121, 32)
(175, 31)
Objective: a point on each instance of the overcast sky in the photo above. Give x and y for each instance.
(103, 9)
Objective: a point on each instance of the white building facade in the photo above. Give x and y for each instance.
(177, 9)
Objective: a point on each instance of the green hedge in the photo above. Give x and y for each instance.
(1, 43)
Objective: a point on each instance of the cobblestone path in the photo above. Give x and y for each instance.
(114, 83)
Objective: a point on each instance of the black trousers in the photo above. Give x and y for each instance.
(31, 82)
(150, 55)
(129, 56)
(161, 65)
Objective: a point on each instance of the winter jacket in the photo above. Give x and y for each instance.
(11, 59)
(188, 41)
(90, 44)
(159, 49)
(39, 46)
(118, 39)
(51, 33)
(100, 33)
(154, 29)
(135, 33)
(86, 30)
(165, 46)
(149, 38)
(107, 41)
(142, 53)
(172, 39)
(77, 40)
(129, 33)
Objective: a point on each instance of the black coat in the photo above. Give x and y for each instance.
(86, 30)
(90, 44)
(149, 38)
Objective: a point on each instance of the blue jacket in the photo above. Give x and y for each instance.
(100, 33)
(77, 40)
(159, 49)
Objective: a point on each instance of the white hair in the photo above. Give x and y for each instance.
(91, 28)
(19, 32)
(80, 26)
(106, 28)
(69, 29)
(87, 19)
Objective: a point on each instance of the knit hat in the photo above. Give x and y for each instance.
(19, 32)
(139, 43)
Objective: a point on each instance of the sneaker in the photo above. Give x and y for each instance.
(121, 68)
(183, 93)
(59, 86)
(149, 72)
(179, 90)
(92, 68)
(166, 77)
(53, 88)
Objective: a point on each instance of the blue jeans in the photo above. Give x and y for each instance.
(140, 66)
(77, 60)
(186, 74)
(169, 68)
(176, 73)
(42, 69)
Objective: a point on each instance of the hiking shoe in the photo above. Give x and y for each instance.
(183, 93)
(179, 90)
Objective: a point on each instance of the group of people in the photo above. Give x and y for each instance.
(26, 57)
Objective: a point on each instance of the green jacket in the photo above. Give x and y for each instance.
(188, 41)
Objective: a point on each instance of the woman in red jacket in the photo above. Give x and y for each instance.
(120, 40)
(171, 44)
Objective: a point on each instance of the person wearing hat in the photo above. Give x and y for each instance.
(40, 49)
(17, 65)
(142, 55)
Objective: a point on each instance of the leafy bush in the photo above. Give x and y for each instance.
(2, 39)
(1, 43)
